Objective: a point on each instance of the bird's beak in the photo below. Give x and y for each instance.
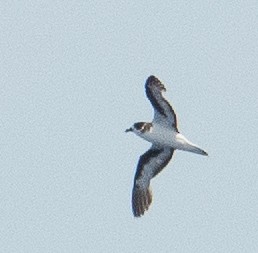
(129, 130)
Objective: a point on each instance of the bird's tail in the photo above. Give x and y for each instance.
(197, 150)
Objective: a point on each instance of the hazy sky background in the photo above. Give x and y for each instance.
(72, 80)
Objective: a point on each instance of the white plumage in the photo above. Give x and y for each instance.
(165, 138)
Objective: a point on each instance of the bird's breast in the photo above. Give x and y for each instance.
(160, 135)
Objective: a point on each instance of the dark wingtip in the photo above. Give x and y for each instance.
(141, 201)
(151, 78)
(154, 81)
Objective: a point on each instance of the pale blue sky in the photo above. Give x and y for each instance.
(72, 80)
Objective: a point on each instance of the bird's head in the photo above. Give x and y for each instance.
(139, 127)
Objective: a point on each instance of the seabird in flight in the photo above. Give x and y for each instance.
(163, 133)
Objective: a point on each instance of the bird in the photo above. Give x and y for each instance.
(165, 137)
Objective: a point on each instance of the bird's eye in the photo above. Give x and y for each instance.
(139, 125)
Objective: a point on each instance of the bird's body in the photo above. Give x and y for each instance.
(162, 136)
(162, 132)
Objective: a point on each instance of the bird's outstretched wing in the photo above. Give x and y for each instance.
(149, 165)
(163, 112)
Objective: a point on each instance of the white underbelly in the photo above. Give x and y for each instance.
(167, 137)
(161, 136)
